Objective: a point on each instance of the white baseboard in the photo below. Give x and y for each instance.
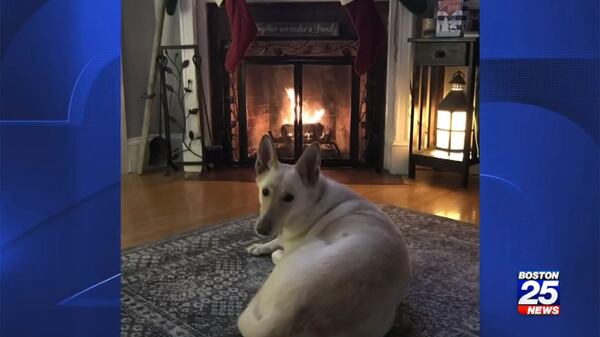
(133, 145)
(398, 161)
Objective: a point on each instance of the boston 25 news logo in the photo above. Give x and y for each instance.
(538, 293)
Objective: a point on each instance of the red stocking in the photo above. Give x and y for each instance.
(243, 32)
(371, 33)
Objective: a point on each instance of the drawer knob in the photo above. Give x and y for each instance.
(438, 54)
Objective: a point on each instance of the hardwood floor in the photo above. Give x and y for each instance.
(155, 207)
(343, 175)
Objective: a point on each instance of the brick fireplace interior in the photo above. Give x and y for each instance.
(299, 89)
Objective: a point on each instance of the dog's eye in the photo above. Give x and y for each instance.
(288, 198)
(265, 192)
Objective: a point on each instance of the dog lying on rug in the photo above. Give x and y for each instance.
(342, 267)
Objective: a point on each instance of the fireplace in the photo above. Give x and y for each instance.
(299, 101)
(272, 93)
(300, 90)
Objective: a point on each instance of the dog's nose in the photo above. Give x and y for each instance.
(263, 227)
(263, 231)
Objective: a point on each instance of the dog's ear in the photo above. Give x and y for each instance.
(309, 163)
(266, 157)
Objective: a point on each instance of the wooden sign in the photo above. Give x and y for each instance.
(283, 29)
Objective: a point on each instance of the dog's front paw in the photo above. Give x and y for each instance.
(276, 256)
(259, 249)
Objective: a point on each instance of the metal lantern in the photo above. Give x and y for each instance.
(452, 117)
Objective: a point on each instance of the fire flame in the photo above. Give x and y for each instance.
(309, 116)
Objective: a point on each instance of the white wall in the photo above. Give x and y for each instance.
(401, 23)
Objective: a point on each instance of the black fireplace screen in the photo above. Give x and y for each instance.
(326, 102)
(268, 109)
(270, 92)
(324, 117)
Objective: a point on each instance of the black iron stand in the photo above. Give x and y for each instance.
(162, 64)
(171, 63)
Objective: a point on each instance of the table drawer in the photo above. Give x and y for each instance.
(447, 54)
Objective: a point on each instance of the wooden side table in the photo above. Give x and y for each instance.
(431, 57)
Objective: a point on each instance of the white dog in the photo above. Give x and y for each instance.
(342, 266)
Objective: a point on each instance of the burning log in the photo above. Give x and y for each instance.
(314, 132)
